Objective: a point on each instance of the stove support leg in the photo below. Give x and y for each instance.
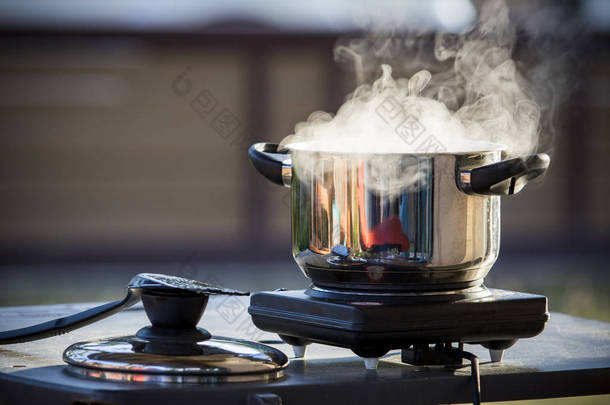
(370, 363)
(299, 351)
(496, 355)
(497, 347)
(370, 356)
(299, 346)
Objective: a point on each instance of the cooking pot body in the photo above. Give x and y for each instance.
(395, 222)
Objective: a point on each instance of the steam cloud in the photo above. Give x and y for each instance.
(464, 94)
(478, 100)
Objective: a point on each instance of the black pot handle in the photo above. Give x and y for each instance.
(275, 166)
(503, 178)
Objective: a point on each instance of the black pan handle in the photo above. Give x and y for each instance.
(67, 324)
(503, 178)
(275, 166)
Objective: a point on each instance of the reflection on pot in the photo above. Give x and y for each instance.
(408, 222)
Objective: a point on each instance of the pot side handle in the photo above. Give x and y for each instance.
(275, 166)
(503, 178)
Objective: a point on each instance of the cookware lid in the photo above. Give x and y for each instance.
(134, 359)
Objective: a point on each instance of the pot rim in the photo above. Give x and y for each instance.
(485, 147)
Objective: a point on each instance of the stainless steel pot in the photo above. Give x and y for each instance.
(439, 232)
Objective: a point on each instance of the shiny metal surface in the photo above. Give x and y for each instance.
(218, 359)
(134, 377)
(354, 228)
(287, 172)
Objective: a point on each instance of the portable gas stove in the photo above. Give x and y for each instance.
(160, 365)
(423, 325)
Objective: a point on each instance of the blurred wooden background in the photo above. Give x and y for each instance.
(105, 154)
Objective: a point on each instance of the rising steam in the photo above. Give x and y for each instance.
(470, 97)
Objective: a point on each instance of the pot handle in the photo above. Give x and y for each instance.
(275, 166)
(503, 178)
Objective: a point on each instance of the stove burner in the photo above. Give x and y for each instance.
(373, 324)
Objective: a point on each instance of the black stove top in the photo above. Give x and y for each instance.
(372, 325)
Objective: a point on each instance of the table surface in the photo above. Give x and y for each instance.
(571, 357)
